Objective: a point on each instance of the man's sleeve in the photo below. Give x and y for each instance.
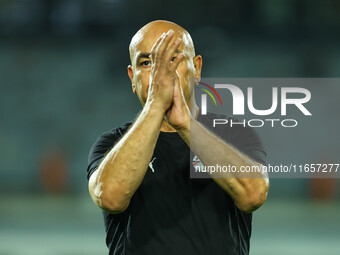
(248, 141)
(99, 149)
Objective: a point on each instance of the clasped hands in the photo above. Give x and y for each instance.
(165, 88)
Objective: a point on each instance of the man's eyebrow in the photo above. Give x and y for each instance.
(147, 55)
(143, 55)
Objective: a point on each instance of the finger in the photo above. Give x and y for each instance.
(164, 44)
(155, 46)
(172, 49)
(175, 63)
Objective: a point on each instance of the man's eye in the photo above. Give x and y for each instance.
(173, 58)
(145, 63)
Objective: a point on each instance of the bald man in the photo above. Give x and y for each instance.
(139, 173)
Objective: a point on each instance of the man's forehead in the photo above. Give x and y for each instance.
(145, 41)
(146, 37)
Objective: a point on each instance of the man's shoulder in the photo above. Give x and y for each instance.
(121, 130)
(225, 122)
(211, 116)
(115, 132)
(221, 123)
(107, 139)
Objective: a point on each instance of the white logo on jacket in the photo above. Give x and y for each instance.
(151, 166)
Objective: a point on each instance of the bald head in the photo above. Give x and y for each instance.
(145, 38)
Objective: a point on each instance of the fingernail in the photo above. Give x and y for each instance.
(178, 40)
(170, 32)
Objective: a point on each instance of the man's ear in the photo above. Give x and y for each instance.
(130, 73)
(198, 67)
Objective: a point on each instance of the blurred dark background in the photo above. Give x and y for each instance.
(63, 81)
